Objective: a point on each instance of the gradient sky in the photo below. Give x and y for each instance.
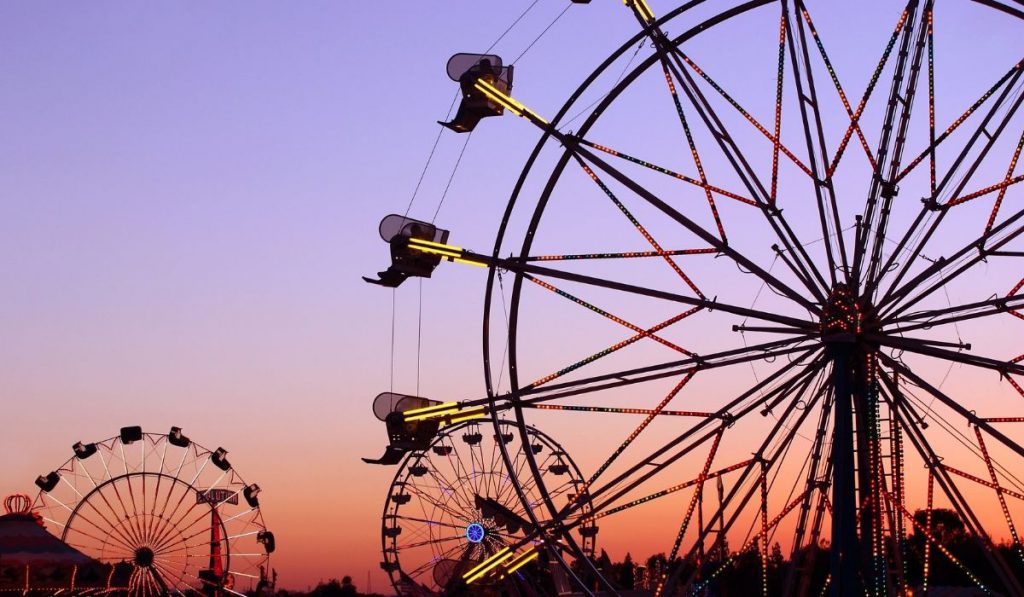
(189, 193)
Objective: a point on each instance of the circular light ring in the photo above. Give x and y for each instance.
(475, 532)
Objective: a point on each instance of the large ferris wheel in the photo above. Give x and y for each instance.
(775, 301)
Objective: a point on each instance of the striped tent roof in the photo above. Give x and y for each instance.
(33, 560)
(24, 541)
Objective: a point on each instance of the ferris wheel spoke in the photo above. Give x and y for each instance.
(648, 333)
(607, 315)
(957, 164)
(896, 300)
(816, 479)
(963, 508)
(591, 158)
(170, 536)
(892, 144)
(178, 525)
(129, 527)
(433, 541)
(531, 486)
(761, 536)
(928, 348)
(112, 525)
(638, 430)
(621, 255)
(932, 540)
(952, 429)
(664, 492)
(173, 521)
(999, 491)
(814, 134)
(124, 532)
(693, 149)
(152, 520)
(855, 117)
(953, 405)
(106, 537)
(164, 531)
(678, 54)
(761, 462)
(426, 566)
(723, 416)
(447, 486)
(673, 59)
(462, 498)
(427, 521)
(620, 411)
(1007, 81)
(505, 491)
(520, 268)
(779, 87)
(639, 227)
(936, 317)
(135, 520)
(702, 183)
(171, 572)
(181, 531)
(1008, 180)
(461, 472)
(768, 350)
(1003, 186)
(439, 505)
(475, 465)
(692, 504)
(854, 127)
(494, 479)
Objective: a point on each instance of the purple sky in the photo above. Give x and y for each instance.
(189, 193)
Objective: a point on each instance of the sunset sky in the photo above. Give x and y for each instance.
(190, 193)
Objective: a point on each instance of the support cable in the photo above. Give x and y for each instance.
(451, 177)
(550, 25)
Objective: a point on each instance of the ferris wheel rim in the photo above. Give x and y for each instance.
(513, 395)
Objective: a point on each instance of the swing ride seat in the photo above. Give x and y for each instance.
(396, 230)
(467, 69)
(403, 436)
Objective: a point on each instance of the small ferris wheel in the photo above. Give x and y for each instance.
(177, 512)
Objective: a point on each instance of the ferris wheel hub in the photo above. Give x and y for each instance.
(144, 557)
(845, 316)
(475, 532)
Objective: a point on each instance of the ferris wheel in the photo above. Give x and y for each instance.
(176, 512)
(452, 507)
(780, 298)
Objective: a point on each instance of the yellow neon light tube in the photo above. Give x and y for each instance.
(468, 415)
(486, 562)
(426, 416)
(416, 411)
(435, 251)
(490, 566)
(522, 561)
(420, 241)
(515, 106)
(641, 7)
